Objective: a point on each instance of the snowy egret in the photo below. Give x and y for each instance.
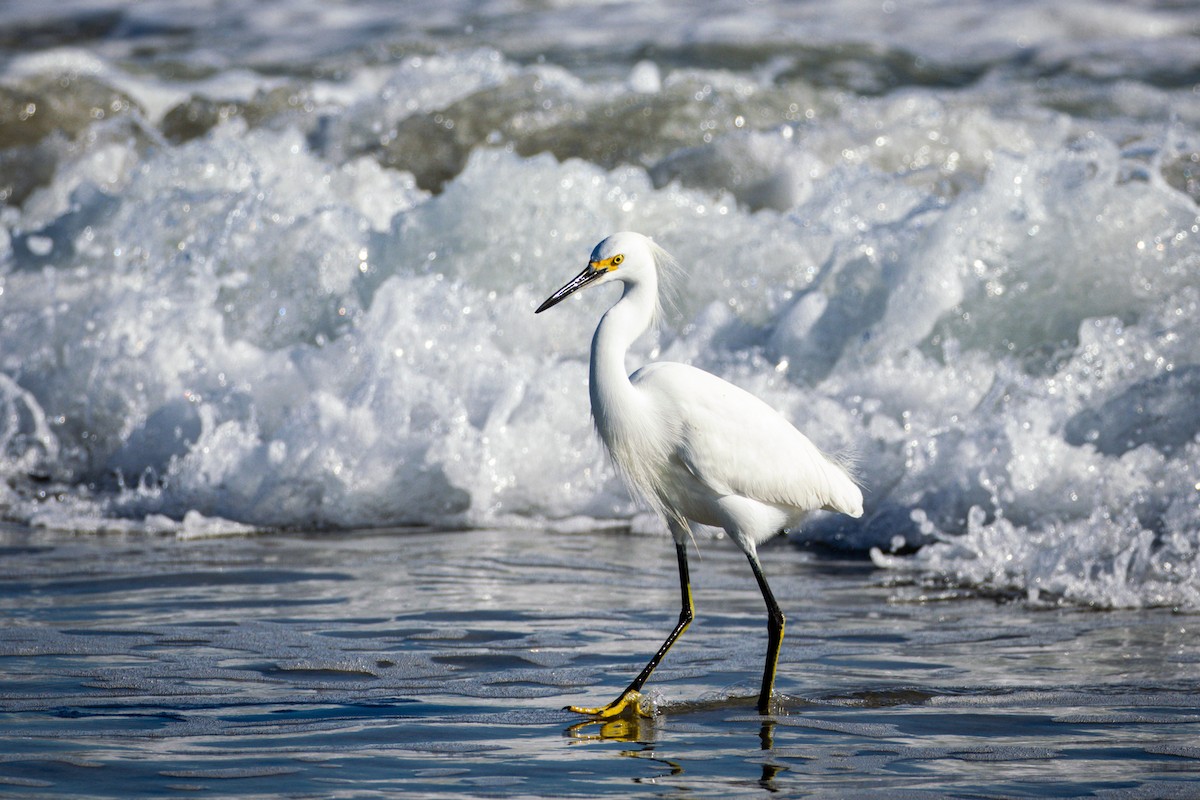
(696, 448)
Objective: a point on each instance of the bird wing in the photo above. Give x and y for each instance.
(734, 443)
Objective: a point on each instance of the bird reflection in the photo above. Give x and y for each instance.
(643, 731)
(631, 728)
(766, 743)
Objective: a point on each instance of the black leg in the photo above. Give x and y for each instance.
(686, 614)
(775, 622)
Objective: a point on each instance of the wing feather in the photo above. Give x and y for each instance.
(734, 443)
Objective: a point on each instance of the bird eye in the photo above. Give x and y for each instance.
(617, 259)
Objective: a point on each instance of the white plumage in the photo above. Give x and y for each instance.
(697, 448)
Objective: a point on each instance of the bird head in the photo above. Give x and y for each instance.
(626, 256)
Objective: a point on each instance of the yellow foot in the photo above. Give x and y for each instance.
(629, 704)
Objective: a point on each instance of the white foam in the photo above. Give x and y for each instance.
(991, 310)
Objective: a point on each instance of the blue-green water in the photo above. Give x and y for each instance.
(435, 664)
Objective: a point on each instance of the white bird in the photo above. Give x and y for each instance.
(696, 448)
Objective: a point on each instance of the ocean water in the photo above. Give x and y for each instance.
(435, 664)
(273, 265)
(267, 280)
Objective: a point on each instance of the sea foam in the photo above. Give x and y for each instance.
(302, 309)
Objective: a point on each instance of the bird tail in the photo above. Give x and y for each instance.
(845, 495)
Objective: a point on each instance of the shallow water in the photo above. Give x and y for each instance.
(435, 663)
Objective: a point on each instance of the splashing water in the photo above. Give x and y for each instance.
(250, 285)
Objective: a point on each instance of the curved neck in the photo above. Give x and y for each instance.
(618, 329)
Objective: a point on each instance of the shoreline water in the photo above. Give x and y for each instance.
(437, 664)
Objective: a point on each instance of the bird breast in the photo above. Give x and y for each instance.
(640, 440)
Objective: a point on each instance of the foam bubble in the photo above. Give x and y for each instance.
(318, 314)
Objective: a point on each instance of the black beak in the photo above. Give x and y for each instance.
(589, 274)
